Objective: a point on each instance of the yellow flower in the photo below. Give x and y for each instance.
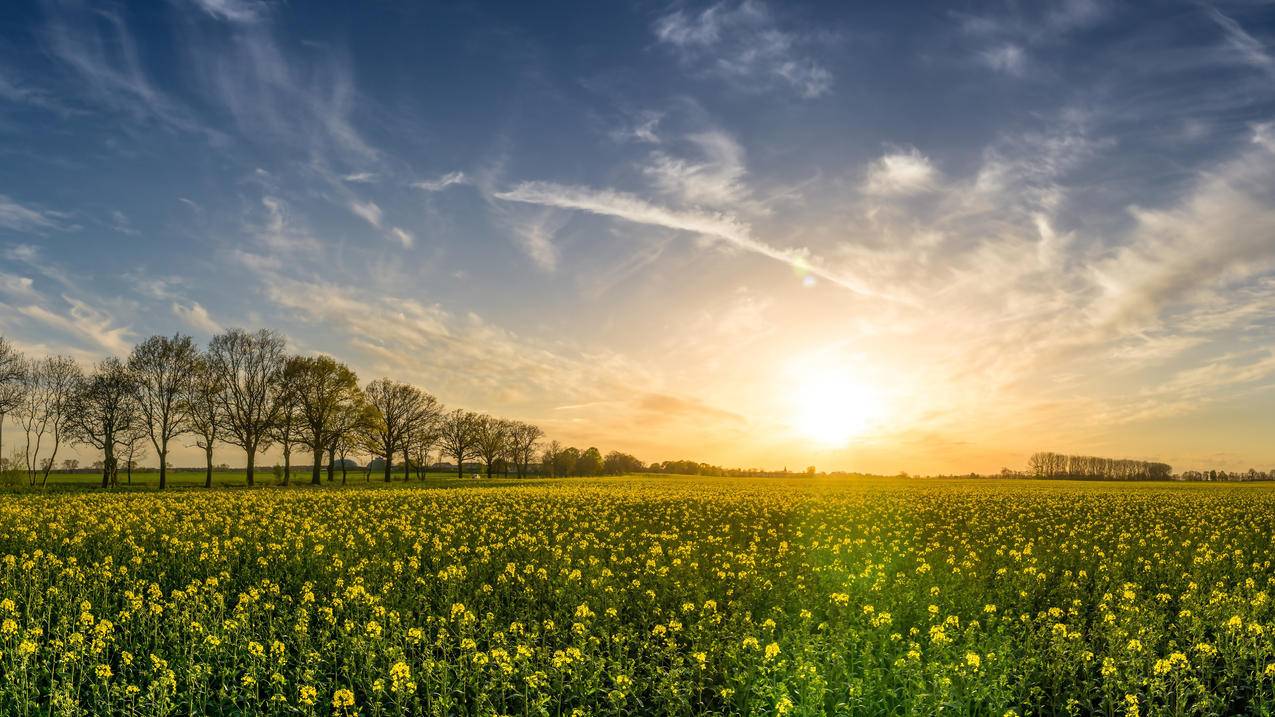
(342, 699)
(772, 650)
(308, 695)
(104, 672)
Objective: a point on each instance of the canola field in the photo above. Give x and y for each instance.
(642, 596)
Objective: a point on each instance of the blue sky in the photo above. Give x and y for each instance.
(961, 233)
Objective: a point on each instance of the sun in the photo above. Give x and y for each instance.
(831, 407)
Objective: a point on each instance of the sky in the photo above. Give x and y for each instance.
(867, 236)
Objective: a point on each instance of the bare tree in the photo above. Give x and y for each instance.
(103, 411)
(422, 435)
(13, 370)
(249, 367)
(201, 402)
(551, 457)
(396, 409)
(457, 437)
(491, 436)
(132, 448)
(422, 441)
(325, 389)
(161, 366)
(350, 429)
(51, 384)
(288, 427)
(524, 438)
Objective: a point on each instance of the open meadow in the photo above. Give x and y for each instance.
(641, 595)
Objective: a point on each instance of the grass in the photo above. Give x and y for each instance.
(641, 595)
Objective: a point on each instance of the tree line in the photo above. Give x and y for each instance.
(244, 390)
(1058, 465)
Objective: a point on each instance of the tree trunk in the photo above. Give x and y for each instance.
(208, 459)
(287, 463)
(343, 469)
(407, 467)
(130, 471)
(163, 469)
(318, 464)
(252, 462)
(488, 469)
(460, 468)
(389, 459)
(331, 461)
(106, 465)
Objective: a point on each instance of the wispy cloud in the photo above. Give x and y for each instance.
(404, 237)
(197, 317)
(423, 342)
(535, 237)
(97, 46)
(724, 227)
(714, 179)
(744, 44)
(17, 287)
(644, 128)
(1222, 232)
(280, 234)
(23, 218)
(14, 88)
(1247, 48)
(440, 183)
(901, 173)
(292, 100)
(369, 211)
(1008, 58)
(84, 322)
(1006, 39)
(121, 223)
(239, 11)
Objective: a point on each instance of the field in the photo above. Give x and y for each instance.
(641, 595)
(222, 479)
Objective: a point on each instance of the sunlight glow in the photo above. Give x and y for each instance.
(831, 407)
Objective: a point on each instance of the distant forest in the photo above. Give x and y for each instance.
(1059, 465)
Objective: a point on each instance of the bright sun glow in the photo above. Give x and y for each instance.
(831, 408)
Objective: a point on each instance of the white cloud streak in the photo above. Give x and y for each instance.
(368, 211)
(23, 218)
(715, 225)
(438, 184)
